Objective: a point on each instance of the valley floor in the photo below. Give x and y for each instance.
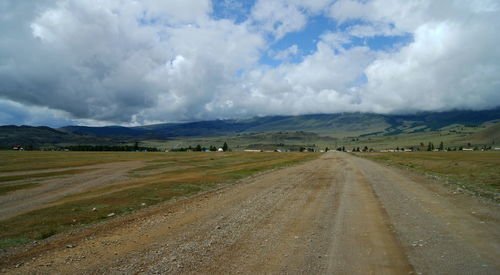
(335, 214)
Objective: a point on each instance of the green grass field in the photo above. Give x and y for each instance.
(148, 185)
(477, 171)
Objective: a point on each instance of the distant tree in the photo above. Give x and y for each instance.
(365, 149)
(225, 147)
(198, 148)
(468, 144)
(430, 147)
(326, 149)
(136, 145)
(441, 146)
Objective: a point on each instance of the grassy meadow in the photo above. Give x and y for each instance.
(476, 171)
(162, 177)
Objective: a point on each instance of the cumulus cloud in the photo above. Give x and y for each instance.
(452, 61)
(323, 82)
(139, 62)
(374, 29)
(278, 17)
(107, 60)
(287, 53)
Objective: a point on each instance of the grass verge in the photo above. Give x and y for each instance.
(477, 172)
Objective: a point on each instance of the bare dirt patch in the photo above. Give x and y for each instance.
(51, 189)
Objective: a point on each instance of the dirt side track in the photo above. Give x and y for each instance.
(335, 215)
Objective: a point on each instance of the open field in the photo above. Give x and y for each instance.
(336, 214)
(478, 171)
(44, 193)
(453, 136)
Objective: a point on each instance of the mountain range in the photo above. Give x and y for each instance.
(333, 125)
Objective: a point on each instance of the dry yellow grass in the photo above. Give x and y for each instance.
(477, 171)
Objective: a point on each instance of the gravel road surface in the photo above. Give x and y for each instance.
(338, 214)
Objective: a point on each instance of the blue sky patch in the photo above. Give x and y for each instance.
(237, 11)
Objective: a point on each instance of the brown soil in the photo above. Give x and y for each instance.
(335, 215)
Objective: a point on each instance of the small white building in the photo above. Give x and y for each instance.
(17, 147)
(220, 150)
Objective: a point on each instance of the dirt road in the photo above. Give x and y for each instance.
(335, 215)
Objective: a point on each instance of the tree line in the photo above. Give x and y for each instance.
(199, 148)
(99, 148)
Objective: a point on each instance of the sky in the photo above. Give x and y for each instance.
(137, 62)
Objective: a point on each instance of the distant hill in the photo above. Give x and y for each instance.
(333, 125)
(33, 137)
(102, 131)
(346, 124)
(488, 135)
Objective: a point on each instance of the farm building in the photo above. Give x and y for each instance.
(17, 147)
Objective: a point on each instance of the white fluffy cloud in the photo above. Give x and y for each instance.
(110, 60)
(452, 62)
(287, 53)
(278, 17)
(137, 62)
